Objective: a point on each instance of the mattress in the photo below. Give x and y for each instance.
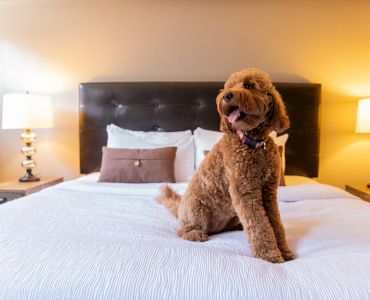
(87, 240)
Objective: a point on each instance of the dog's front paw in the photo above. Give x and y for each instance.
(273, 256)
(289, 255)
(275, 259)
(193, 235)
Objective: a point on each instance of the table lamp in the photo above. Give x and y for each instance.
(26, 111)
(363, 118)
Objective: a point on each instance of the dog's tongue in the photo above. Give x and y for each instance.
(233, 116)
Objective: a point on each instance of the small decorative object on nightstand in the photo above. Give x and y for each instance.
(359, 190)
(14, 189)
(26, 111)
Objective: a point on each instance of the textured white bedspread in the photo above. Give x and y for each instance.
(88, 240)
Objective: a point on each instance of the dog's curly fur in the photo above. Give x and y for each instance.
(236, 186)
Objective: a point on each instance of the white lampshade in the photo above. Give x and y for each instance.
(22, 111)
(363, 116)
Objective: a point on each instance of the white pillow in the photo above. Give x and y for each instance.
(280, 141)
(183, 140)
(204, 141)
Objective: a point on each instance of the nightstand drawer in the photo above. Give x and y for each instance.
(10, 196)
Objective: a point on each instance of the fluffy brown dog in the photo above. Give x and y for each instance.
(236, 185)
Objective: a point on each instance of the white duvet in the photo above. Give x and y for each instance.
(88, 240)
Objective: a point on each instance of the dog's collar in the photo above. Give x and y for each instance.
(250, 142)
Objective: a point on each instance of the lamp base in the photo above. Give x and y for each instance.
(28, 137)
(29, 177)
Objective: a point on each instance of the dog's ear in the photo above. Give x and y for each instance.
(280, 120)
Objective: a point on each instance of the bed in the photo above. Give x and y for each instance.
(88, 240)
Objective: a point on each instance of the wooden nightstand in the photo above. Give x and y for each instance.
(14, 189)
(359, 190)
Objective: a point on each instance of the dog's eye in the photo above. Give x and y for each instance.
(248, 85)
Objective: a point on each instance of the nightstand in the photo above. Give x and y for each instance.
(359, 190)
(14, 189)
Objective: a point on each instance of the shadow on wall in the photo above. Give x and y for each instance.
(288, 77)
(275, 76)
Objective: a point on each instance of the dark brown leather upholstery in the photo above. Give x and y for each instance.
(174, 106)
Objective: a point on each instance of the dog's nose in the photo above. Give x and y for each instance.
(228, 96)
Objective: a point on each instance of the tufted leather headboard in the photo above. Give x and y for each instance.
(175, 106)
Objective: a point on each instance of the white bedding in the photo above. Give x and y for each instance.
(88, 240)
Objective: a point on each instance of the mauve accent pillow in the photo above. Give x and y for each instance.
(138, 165)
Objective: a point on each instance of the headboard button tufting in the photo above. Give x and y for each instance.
(187, 105)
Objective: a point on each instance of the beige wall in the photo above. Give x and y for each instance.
(51, 46)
